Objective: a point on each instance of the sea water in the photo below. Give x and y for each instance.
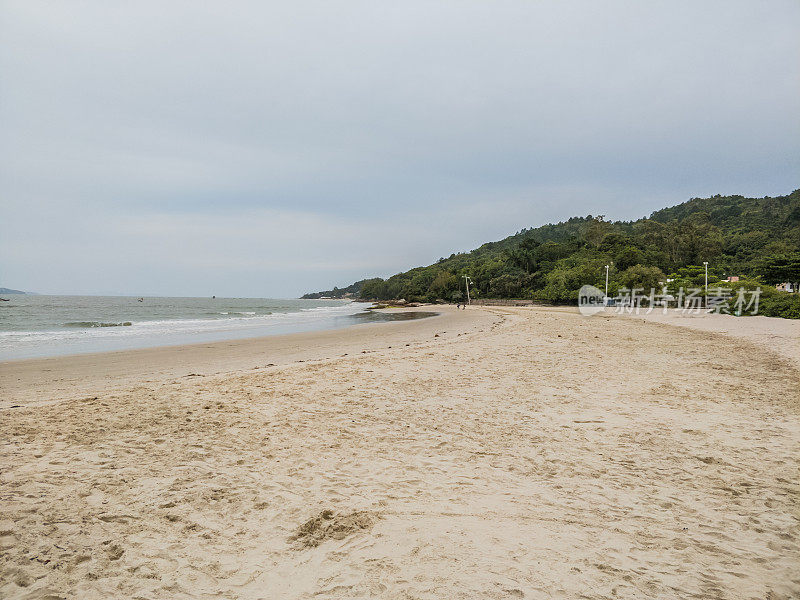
(39, 326)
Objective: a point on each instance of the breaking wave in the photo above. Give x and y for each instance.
(88, 324)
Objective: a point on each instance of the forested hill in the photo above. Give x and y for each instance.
(736, 235)
(351, 291)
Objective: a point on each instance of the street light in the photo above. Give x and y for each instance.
(605, 300)
(467, 280)
(705, 264)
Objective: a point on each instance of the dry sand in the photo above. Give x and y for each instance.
(522, 453)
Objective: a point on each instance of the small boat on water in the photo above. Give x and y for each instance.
(5, 299)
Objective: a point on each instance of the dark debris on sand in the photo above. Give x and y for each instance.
(328, 525)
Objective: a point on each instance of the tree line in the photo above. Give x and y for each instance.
(756, 239)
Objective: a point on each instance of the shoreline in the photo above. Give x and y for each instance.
(103, 324)
(25, 381)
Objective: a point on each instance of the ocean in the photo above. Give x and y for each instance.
(40, 326)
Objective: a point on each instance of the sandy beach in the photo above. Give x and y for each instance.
(486, 453)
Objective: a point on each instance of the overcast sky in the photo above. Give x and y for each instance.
(273, 148)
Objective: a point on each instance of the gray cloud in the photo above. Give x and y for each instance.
(268, 148)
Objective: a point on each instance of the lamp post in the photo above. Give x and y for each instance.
(705, 299)
(605, 300)
(466, 281)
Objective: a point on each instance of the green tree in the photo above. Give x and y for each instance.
(443, 285)
(780, 269)
(524, 255)
(505, 286)
(642, 277)
(627, 257)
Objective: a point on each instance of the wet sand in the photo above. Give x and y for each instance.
(47, 380)
(502, 453)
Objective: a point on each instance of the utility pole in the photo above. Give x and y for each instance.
(705, 301)
(466, 281)
(605, 300)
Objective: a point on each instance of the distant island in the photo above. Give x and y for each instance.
(10, 291)
(747, 242)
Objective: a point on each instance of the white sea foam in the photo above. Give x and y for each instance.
(80, 335)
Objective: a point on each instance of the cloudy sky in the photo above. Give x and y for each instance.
(271, 148)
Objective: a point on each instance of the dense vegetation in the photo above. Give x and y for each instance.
(757, 239)
(352, 290)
